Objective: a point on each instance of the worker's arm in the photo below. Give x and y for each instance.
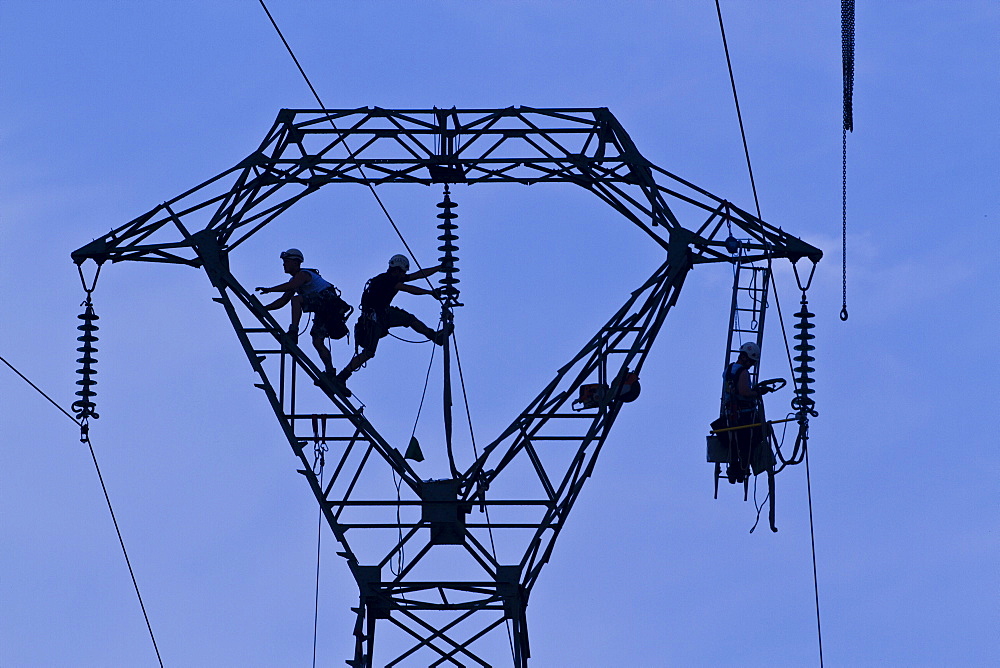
(296, 282)
(743, 386)
(423, 273)
(279, 302)
(414, 290)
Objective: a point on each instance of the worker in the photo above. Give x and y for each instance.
(311, 293)
(378, 315)
(742, 406)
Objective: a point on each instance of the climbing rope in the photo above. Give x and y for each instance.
(413, 445)
(319, 462)
(483, 489)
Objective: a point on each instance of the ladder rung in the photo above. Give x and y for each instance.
(309, 416)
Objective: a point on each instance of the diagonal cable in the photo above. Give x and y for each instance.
(360, 168)
(85, 438)
(753, 186)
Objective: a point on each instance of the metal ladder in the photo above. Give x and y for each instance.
(746, 322)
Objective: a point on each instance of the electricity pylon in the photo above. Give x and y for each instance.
(454, 596)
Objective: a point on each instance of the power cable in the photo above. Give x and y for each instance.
(334, 125)
(739, 116)
(812, 541)
(85, 438)
(746, 150)
(37, 389)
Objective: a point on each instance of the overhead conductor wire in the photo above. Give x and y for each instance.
(85, 438)
(732, 80)
(378, 199)
(360, 168)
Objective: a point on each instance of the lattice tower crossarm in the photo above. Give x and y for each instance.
(445, 619)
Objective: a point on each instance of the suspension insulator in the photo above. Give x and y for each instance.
(803, 401)
(449, 283)
(84, 406)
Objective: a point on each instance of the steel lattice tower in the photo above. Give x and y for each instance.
(448, 619)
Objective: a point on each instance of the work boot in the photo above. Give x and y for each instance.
(340, 382)
(333, 378)
(442, 334)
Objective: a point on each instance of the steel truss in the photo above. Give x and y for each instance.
(456, 595)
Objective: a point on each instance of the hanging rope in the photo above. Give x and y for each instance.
(483, 488)
(319, 462)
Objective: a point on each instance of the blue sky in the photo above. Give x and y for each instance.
(110, 108)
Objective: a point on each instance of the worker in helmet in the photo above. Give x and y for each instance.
(378, 315)
(742, 406)
(311, 293)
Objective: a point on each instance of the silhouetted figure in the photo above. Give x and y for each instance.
(378, 315)
(311, 293)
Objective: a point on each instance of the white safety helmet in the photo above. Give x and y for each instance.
(752, 350)
(292, 254)
(400, 261)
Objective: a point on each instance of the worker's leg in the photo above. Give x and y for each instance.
(319, 342)
(356, 363)
(367, 333)
(400, 318)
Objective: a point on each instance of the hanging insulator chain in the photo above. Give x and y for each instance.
(803, 402)
(84, 406)
(449, 289)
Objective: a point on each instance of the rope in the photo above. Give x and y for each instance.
(334, 125)
(475, 452)
(400, 338)
(319, 541)
(398, 482)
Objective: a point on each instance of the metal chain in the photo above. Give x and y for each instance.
(847, 58)
(843, 252)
